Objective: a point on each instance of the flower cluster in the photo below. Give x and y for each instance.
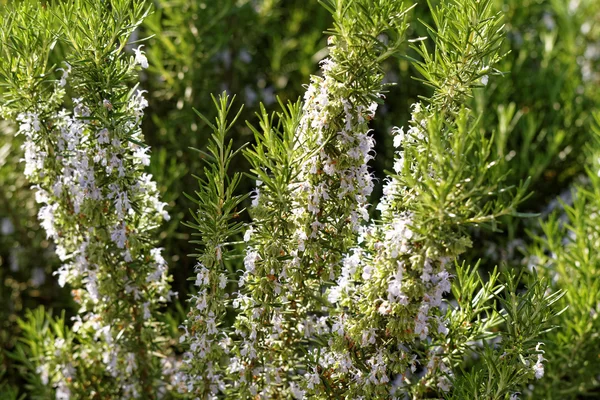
(390, 294)
(336, 173)
(207, 345)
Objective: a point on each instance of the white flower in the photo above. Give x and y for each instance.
(442, 328)
(368, 337)
(43, 371)
(140, 58)
(537, 347)
(202, 278)
(313, 379)
(65, 75)
(398, 136)
(248, 234)
(159, 206)
(395, 286)
(91, 286)
(335, 293)
(103, 137)
(119, 235)
(47, 218)
(29, 123)
(398, 165)
(201, 303)
(250, 260)
(421, 327)
(138, 102)
(62, 391)
(141, 154)
(122, 204)
(298, 393)
(385, 308)
(222, 281)
(350, 263)
(538, 367)
(444, 384)
(367, 272)
(63, 275)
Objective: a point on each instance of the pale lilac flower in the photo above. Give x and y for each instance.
(65, 74)
(140, 58)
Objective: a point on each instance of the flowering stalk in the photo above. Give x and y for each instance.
(391, 316)
(202, 372)
(98, 205)
(253, 369)
(326, 183)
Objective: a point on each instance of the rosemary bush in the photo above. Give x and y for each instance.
(371, 231)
